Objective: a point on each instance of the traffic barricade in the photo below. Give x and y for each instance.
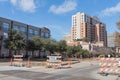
(109, 66)
(17, 60)
(54, 61)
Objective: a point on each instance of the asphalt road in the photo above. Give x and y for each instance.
(67, 74)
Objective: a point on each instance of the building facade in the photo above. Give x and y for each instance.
(111, 40)
(28, 31)
(117, 39)
(88, 28)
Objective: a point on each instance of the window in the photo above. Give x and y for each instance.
(31, 31)
(16, 28)
(47, 35)
(30, 38)
(42, 34)
(5, 35)
(23, 30)
(6, 27)
(36, 32)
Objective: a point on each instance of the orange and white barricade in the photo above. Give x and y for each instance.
(109, 65)
(54, 61)
(109, 70)
(18, 60)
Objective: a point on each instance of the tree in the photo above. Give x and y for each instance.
(106, 51)
(50, 45)
(62, 47)
(69, 51)
(19, 42)
(30, 46)
(14, 42)
(38, 43)
(85, 53)
(73, 50)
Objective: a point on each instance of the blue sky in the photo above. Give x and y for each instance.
(56, 14)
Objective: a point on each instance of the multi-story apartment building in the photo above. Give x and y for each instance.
(89, 28)
(28, 31)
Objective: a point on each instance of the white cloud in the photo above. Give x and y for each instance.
(67, 6)
(111, 10)
(25, 5)
(14, 2)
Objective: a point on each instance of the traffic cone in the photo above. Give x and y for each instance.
(28, 63)
(11, 62)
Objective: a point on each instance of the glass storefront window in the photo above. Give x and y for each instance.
(6, 27)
